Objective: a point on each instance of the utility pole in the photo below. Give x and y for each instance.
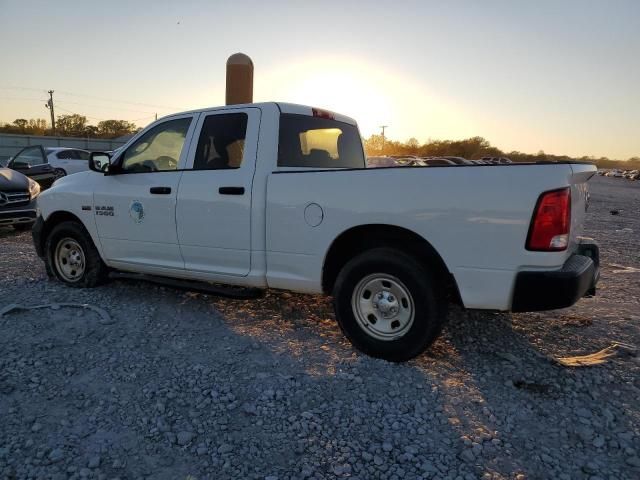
(156, 117)
(49, 105)
(383, 127)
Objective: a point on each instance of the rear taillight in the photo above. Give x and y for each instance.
(551, 222)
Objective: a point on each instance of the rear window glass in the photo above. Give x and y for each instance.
(314, 142)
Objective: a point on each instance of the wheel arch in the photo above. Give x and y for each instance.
(52, 220)
(360, 238)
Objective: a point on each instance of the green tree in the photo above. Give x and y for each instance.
(115, 128)
(90, 131)
(71, 125)
(21, 124)
(37, 126)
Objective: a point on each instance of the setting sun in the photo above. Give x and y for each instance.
(369, 94)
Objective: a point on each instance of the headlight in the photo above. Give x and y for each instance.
(34, 189)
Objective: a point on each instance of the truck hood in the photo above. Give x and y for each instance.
(78, 182)
(75, 179)
(12, 181)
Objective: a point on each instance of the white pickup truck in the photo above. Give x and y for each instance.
(275, 195)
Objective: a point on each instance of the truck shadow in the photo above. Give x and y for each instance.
(189, 384)
(497, 399)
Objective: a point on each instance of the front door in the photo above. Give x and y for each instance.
(135, 203)
(214, 199)
(32, 162)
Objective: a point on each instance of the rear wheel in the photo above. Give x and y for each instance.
(72, 257)
(389, 305)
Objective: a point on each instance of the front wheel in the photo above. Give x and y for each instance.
(389, 305)
(59, 173)
(72, 257)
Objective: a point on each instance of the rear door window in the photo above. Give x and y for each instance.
(221, 142)
(81, 155)
(314, 142)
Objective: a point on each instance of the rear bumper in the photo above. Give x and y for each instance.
(536, 291)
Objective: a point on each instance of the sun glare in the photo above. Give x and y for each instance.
(367, 93)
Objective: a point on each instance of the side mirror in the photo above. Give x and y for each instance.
(99, 162)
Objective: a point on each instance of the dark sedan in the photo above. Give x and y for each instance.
(17, 199)
(32, 162)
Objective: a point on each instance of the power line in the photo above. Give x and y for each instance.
(22, 98)
(24, 88)
(121, 101)
(112, 100)
(66, 102)
(99, 119)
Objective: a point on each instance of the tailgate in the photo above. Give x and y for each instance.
(581, 173)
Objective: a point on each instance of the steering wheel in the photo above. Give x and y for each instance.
(170, 162)
(149, 165)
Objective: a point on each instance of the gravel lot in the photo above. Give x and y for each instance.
(182, 385)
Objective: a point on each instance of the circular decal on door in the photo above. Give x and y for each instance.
(136, 210)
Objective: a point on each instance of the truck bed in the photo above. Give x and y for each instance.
(476, 217)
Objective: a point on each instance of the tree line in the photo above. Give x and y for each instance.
(477, 147)
(73, 125)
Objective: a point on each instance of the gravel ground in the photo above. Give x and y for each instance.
(181, 385)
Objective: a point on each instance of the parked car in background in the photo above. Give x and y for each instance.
(431, 162)
(32, 162)
(377, 162)
(497, 160)
(459, 160)
(66, 161)
(41, 161)
(17, 199)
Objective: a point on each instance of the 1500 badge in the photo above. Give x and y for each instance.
(104, 210)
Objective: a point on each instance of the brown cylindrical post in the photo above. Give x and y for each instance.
(239, 79)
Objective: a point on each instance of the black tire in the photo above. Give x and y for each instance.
(95, 271)
(428, 302)
(59, 173)
(22, 227)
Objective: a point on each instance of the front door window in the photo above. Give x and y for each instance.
(158, 150)
(29, 157)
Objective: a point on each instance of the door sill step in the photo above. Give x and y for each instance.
(227, 291)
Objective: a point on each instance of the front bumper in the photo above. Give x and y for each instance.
(536, 291)
(21, 214)
(38, 238)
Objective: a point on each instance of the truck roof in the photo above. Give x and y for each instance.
(284, 107)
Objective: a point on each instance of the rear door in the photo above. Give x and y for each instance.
(135, 205)
(32, 162)
(214, 199)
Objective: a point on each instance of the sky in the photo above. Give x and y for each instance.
(562, 76)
